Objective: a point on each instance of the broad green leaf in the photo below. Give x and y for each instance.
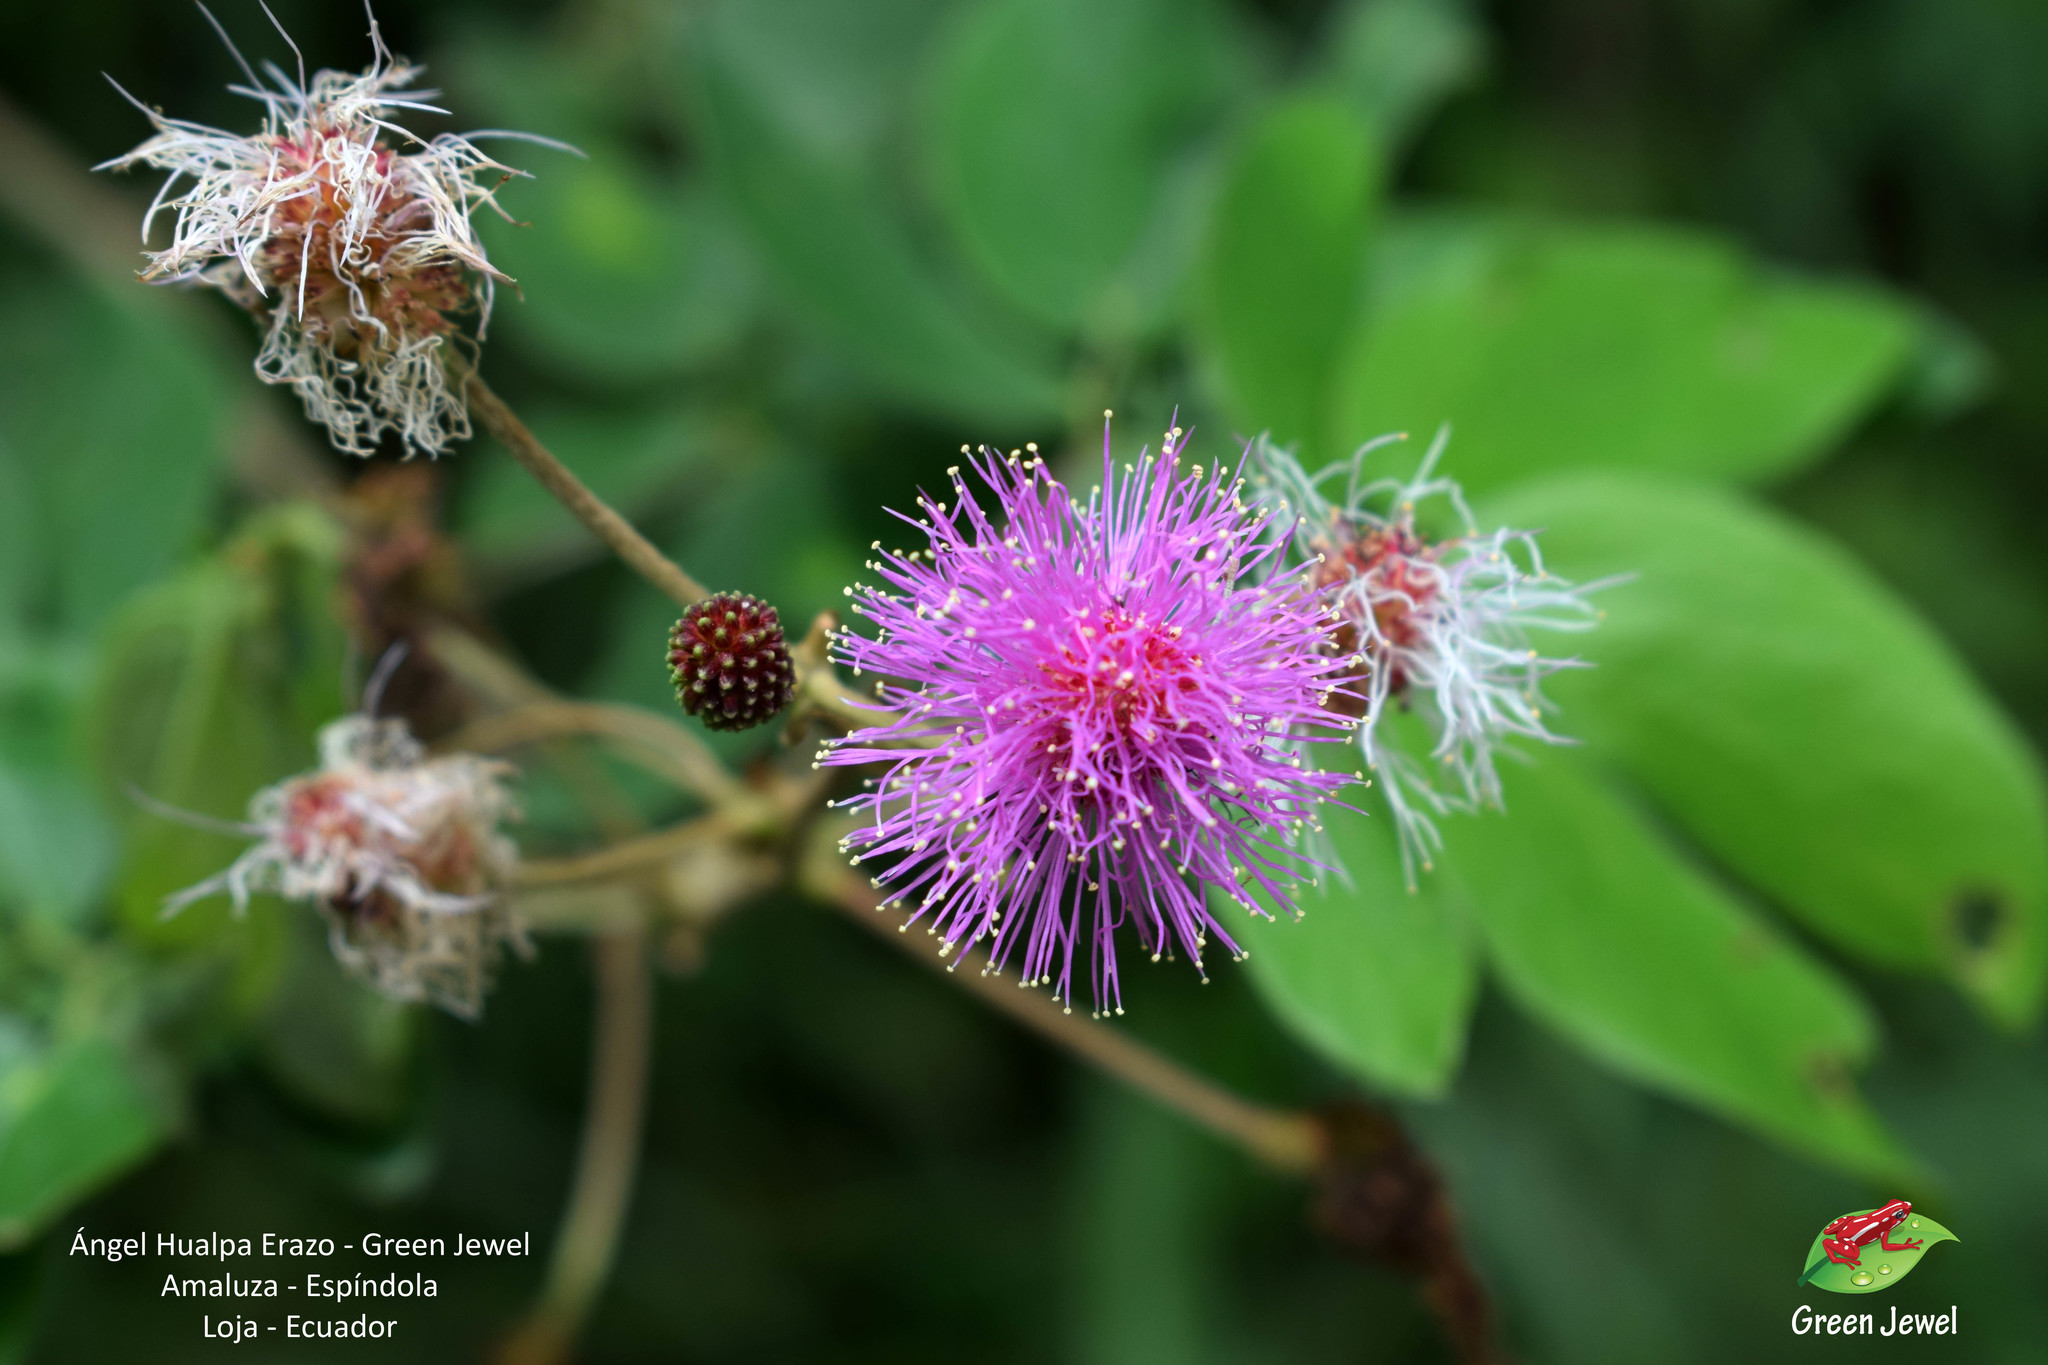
(111, 425)
(1056, 128)
(1378, 979)
(213, 686)
(850, 267)
(1558, 346)
(1396, 60)
(73, 1122)
(1281, 266)
(1806, 729)
(1879, 1269)
(1602, 930)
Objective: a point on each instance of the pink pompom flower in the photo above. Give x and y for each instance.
(1102, 713)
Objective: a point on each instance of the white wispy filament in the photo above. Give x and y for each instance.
(401, 853)
(347, 235)
(1440, 626)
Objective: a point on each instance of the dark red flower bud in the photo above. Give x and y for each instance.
(729, 662)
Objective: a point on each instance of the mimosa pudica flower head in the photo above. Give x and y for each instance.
(1103, 712)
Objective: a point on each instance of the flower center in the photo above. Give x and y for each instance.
(342, 241)
(1123, 674)
(318, 813)
(1397, 581)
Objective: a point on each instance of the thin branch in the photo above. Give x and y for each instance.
(587, 1244)
(629, 855)
(1378, 1196)
(608, 526)
(1287, 1141)
(666, 748)
(819, 688)
(817, 683)
(622, 1028)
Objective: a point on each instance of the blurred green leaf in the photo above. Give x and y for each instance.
(56, 844)
(849, 266)
(1145, 1231)
(635, 461)
(622, 277)
(836, 77)
(73, 1122)
(1378, 979)
(628, 270)
(20, 1277)
(1599, 928)
(1057, 126)
(213, 685)
(19, 541)
(1880, 1268)
(1921, 528)
(1950, 371)
(1807, 729)
(1555, 346)
(56, 847)
(1396, 60)
(111, 428)
(1281, 267)
(330, 1041)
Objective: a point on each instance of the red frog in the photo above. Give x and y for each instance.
(1842, 1238)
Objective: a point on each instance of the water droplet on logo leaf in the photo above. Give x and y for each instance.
(1916, 1222)
(1861, 1277)
(1884, 1270)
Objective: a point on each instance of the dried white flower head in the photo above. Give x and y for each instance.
(401, 853)
(358, 256)
(1439, 626)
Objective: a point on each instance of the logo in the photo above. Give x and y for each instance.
(1861, 1253)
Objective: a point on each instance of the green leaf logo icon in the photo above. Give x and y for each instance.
(1878, 1268)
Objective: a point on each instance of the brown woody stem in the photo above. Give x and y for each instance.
(817, 684)
(621, 1033)
(1378, 1196)
(1286, 1141)
(637, 854)
(608, 526)
(662, 745)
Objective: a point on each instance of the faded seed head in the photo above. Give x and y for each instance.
(1438, 624)
(401, 853)
(1387, 573)
(349, 237)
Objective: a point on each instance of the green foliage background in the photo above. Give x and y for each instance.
(1747, 300)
